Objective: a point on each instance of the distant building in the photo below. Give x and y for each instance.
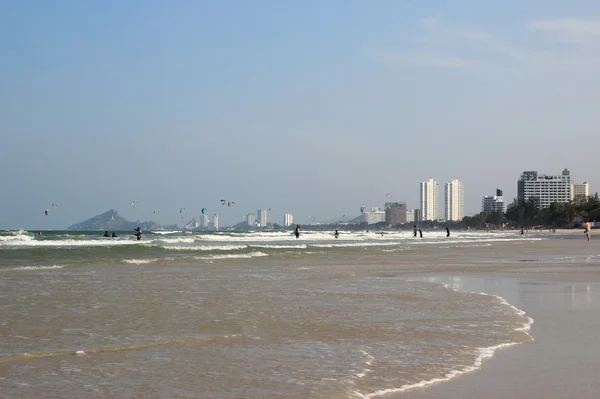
(216, 222)
(395, 212)
(251, 219)
(261, 216)
(454, 205)
(493, 203)
(203, 220)
(417, 216)
(288, 220)
(580, 191)
(547, 188)
(375, 215)
(410, 216)
(430, 203)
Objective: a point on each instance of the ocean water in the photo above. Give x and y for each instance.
(242, 315)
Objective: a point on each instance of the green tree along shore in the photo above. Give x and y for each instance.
(529, 213)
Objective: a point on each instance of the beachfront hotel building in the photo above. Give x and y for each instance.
(454, 202)
(410, 216)
(580, 191)
(251, 219)
(493, 203)
(288, 220)
(216, 222)
(261, 216)
(547, 188)
(430, 203)
(375, 215)
(395, 212)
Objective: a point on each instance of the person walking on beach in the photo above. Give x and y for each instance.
(297, 231)
(447, 232)
(420, 233)
(415, 230)
(588, 230)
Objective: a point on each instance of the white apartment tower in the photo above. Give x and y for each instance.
(216, 222)
(203, 220)
(251, 219)
(430, 203)
(580, 191)
(261, 215)
(454, 204)
(493, 203)
(546, 188)
(288, 220)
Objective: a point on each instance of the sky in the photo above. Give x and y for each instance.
(312, 108)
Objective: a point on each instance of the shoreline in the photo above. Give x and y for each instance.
(561, 360)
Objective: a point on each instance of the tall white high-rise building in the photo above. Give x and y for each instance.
(261, 216)
(203, 220)
(430, 202)
(251, 219)
(288, 220)
(216, 222)
(580, 191)
(454, 204)
(410, 216)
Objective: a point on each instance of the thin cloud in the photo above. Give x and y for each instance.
(447, 47)
(573, 30)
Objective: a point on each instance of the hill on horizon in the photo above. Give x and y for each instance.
(112, 220)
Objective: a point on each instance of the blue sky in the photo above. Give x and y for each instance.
(312, 108)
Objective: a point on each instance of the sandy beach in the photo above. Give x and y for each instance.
(563, 298)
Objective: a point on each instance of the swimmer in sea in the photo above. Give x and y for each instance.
(106, 234)
(114, 235)
(297, 231)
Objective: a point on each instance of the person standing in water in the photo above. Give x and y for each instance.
(415, 230)
(106, 234)
(297, 231)
(588, 230)
(138, 233)
(420, 233)
(447, 232)
(336, 234)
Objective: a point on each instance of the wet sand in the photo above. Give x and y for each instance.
(563, 298)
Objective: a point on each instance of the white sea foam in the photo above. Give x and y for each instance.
(166, 232)
(482, 354)
(205, 247)
(291, 246)
(139, 261)
(232, 256)
(32, 268)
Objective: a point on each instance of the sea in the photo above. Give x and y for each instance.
(256, 314)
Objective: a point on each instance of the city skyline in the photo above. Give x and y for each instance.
(102, 105)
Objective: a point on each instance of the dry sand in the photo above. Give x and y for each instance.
(557, 282)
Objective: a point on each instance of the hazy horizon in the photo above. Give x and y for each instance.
(311, 108)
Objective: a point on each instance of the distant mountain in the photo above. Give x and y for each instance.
(111, 220)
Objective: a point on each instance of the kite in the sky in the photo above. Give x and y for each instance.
(362, 209)
(203, 211)
(46, 212)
